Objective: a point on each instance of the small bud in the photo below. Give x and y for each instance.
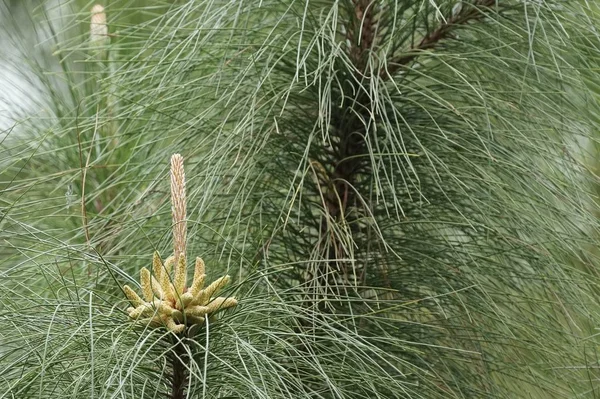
(168, 265)
(157, 265)
(184, 300)
(157, 289)
(145, 281)
(132, 296)
(196, 310)
(197, 285)
(204, 295)
(180, 272)
(198, 269)
(171, 325)
(165, 281)
(141, 311)
(221, 303)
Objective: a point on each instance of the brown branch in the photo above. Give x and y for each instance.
(469, 13)
(335, 177)
(179, 358)
(363, 39)
(339, 176)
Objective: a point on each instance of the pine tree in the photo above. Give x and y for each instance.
(403, 193)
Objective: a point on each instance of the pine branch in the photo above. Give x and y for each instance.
(362, 35)
(338, 172)
(438, 233)
(179, 359)
(466, 15)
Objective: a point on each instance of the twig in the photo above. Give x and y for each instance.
(430, 40)
(179, 359)
(362, 34)
(206, 320)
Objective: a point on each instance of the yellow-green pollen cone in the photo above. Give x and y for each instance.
(166, 301)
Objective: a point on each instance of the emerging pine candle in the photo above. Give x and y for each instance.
(98, 27)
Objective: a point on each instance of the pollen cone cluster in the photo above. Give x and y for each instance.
(166, 300)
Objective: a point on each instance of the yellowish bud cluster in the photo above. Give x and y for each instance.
(166, 301)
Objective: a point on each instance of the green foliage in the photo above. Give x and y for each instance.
(403, 192)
